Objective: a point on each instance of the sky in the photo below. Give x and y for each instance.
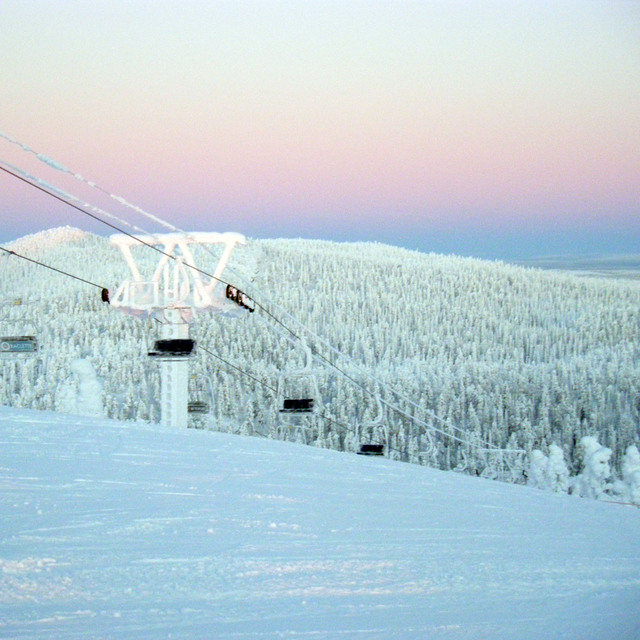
(494, 129)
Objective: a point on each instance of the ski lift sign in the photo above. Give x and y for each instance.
(18, 345)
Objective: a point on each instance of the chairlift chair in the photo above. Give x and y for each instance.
(428, 450)
(298, 401)
(169, 335)
(373, 436)
(298, 392)
(201, 400)
(297, 405)
(506, 465)
(371, 449)
(197, 406)
(200, 394)
(298, 389)
(172, 348)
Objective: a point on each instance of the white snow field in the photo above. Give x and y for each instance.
(131, 530)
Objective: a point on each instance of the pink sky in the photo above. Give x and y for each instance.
(404, 122)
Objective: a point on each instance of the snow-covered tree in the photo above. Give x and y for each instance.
(592, 479)
(497, 353)
(537, 476)
(557, 473)
(631, 474)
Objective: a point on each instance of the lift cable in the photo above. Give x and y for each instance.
(48, 190)
(267, 311)
(60, 167)
(64, 198)
(51, 162)
(342, 425)
(393, 407)
(49, 187)
(363, 372)
(386, 403)
(64, 273)
(233, 366)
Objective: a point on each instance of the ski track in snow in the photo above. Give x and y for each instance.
(114, 530)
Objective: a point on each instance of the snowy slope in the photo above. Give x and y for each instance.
(128, 530)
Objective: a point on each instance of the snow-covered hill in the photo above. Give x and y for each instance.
(519, 357)
(125, 530)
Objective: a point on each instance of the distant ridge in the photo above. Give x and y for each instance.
(616, 266)
(52, 237)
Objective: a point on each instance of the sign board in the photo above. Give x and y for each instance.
(18, 344)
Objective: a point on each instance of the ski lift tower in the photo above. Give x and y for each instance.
(173, 295)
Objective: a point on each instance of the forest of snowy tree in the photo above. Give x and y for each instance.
(520, 358)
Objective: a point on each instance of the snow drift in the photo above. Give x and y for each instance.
(125, 530)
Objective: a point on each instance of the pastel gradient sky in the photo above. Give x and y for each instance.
(495, 129)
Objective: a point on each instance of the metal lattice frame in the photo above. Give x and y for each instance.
(173, 294)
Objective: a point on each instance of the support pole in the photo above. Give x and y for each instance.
(173, 294)
(174, 375)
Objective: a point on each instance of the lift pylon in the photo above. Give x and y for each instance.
(173, 295)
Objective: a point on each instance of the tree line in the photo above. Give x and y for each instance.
(517, 357)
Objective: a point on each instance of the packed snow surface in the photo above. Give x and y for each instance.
(129, 530)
